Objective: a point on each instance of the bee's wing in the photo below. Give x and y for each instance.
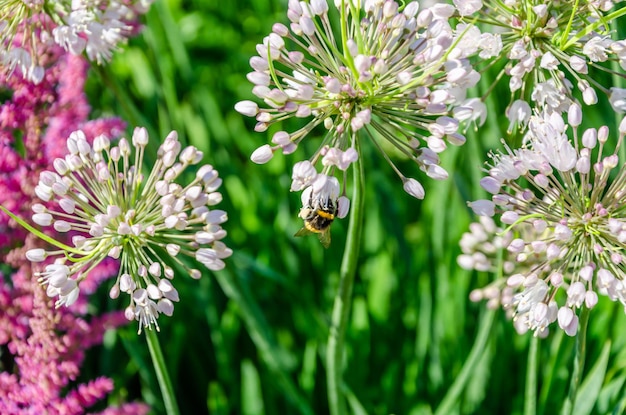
(303, 231)
(324, 237)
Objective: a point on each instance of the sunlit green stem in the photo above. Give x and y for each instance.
(617, 80)
(594, 26)
(451, 399)
(568, 28)
(343, 298)
(40, 234)
(530, 398)
(169, 399)
(579, 362)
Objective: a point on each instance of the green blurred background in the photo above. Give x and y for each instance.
(251, 339)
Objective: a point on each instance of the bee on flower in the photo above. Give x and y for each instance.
(571, 195)
(100, 198)
(321, 204)
(548, 50)
(387, 72)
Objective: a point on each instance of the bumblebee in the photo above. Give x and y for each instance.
(317, 220)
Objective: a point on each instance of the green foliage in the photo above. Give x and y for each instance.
(251, 339)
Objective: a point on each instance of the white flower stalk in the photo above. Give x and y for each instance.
(94, 27)
(553, 52)
(110, 209)
(571, 194)
(387, 71)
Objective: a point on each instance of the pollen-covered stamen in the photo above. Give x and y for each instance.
(115, 211)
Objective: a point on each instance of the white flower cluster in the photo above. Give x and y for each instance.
(573, 202)
(99, 196)
(481, 245)
(545, 45)
(96, 27)
(394, 74)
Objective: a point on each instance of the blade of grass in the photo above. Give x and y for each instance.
(451, 398)
(260, 333)
(592, 385)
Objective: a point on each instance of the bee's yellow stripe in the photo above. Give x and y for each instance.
(325, 215)
(310, 228)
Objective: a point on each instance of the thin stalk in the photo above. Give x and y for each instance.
(169, 399)
(530, 396)
(480, 345)
(40, 234)
(594, 26)
(579, 362)
(617, 81)
(343, 298)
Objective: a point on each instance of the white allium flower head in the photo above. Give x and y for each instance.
(96, 28)
(544, 45)
(115, 211)
(566, 228)
(346, 82)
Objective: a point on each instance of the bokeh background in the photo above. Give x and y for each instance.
(251, 339)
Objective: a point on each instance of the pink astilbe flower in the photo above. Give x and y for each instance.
(47, 348)
(37, 119)
(71, 109)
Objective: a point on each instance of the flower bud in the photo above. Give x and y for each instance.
(262, 154)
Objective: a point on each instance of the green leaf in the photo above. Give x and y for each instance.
(251, 394)
(591, 386)
(217, 402)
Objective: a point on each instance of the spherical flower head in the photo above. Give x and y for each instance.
(99, 195)
(564, 210)
(549, 49)
(383, 71)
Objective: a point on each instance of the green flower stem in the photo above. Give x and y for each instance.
(579, 362)
(452, 396)
(569, 23)
(617, 81)
(530, 397)
(40, 234)
(169, 399)
(343, 298)
(594, 26)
